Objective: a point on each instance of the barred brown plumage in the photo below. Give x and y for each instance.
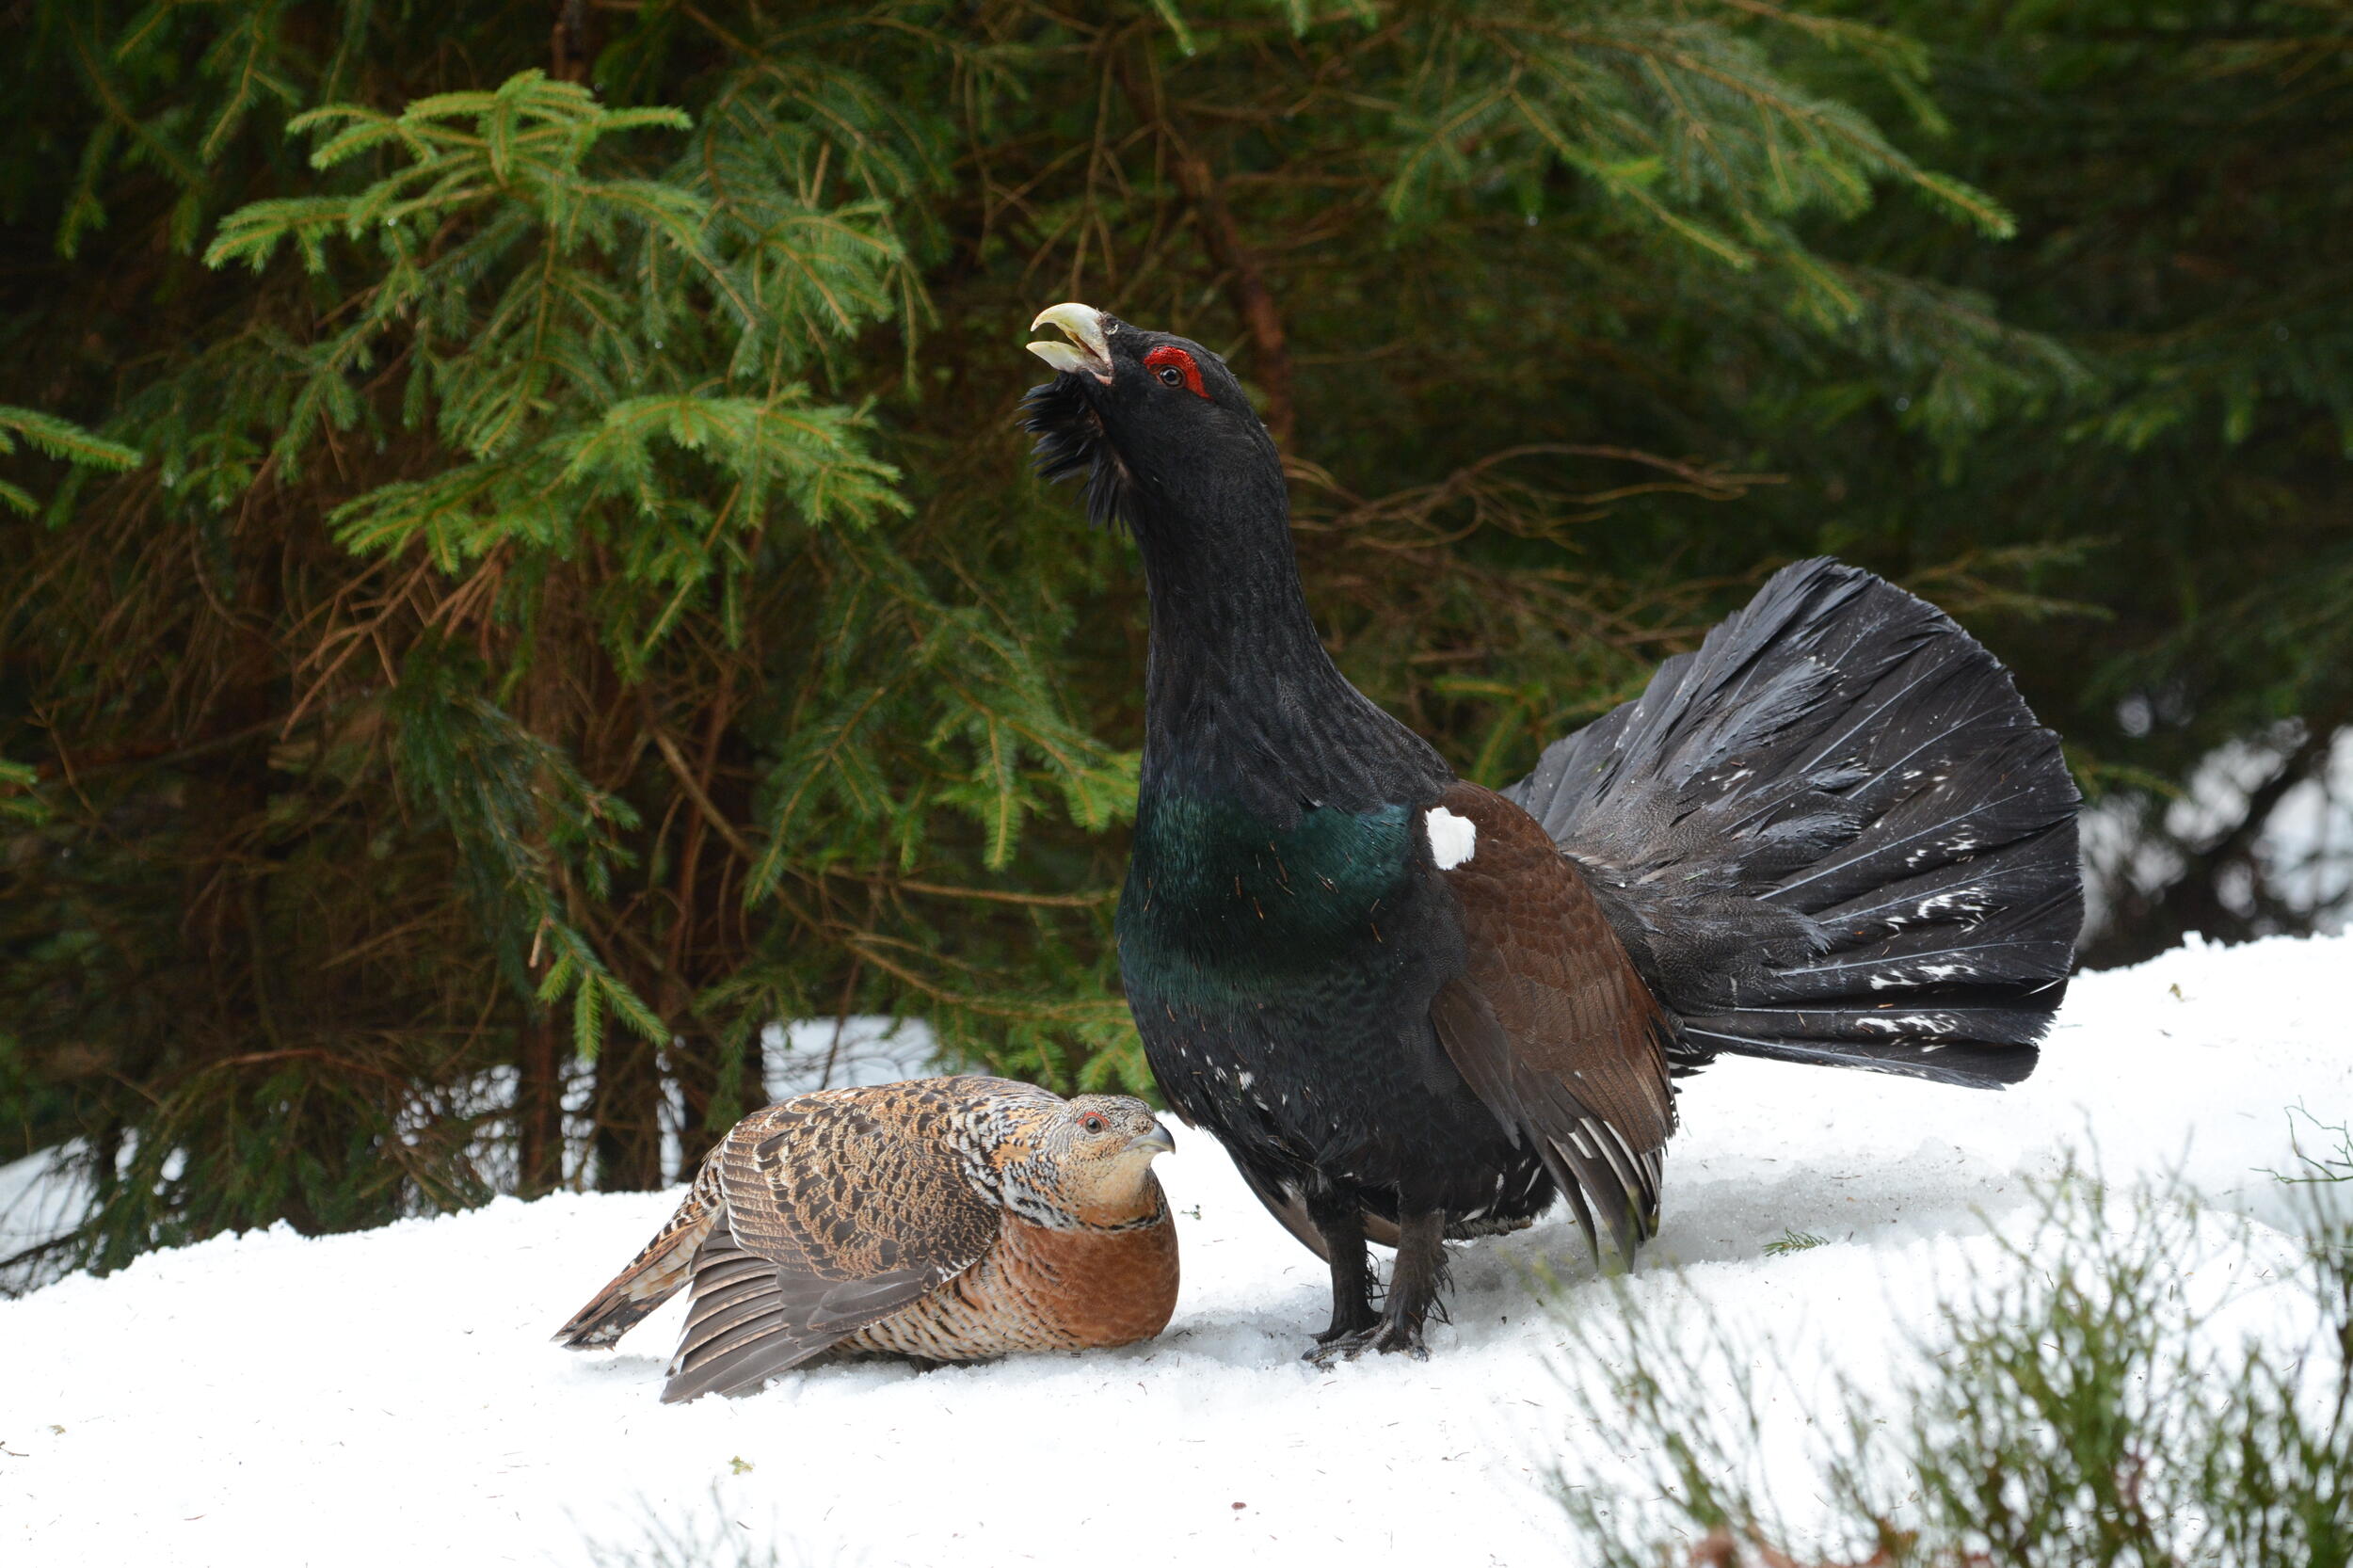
(950, 1219)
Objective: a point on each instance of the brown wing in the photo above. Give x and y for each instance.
(653, 1276)
(843, 1206)
(1551, 1026)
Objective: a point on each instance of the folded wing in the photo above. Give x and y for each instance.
(842, 1207)
(1550, 1024)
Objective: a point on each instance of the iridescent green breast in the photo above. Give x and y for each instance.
(1222, 906)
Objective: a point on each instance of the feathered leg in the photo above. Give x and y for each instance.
(1342, 1224)
(652, 1277)
(1414, 1282)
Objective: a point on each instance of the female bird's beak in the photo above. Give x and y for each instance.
(1157, 1141)
(1088, 353)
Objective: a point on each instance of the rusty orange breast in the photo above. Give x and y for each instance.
(1097, 1288)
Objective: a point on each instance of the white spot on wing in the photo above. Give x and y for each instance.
(1451, 837)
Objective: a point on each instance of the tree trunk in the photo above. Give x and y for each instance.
(539, 1108)
(628, 1108)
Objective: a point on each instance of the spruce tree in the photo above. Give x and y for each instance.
(523, 572)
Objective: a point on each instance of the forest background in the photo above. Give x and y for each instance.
(517, 569)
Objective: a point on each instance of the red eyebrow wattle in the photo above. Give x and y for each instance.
(1183, 361)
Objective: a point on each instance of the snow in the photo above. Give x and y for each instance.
(41, 1195)
(391, 1396)
(851, 1051)
(2304, 848)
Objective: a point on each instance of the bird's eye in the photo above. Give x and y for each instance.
(1092, 1121)
(1175, 367)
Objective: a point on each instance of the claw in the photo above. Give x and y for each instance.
(1389, 1338)
(1328, 1353)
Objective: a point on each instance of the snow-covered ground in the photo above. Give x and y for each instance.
(391, 1397)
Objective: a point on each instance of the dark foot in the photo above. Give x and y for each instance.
(1343, 1225)
(1388, 1336)
(1349, 1326)
(1413, 1293)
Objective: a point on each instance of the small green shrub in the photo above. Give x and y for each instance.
(2335, 1163)
(2079, 1404)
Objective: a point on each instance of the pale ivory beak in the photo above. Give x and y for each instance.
(1158, 1141)
(1087, 353)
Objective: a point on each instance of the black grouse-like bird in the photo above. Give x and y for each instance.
(1414, 1009)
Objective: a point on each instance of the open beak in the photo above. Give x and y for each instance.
(1086, 353)
(1157, 1141)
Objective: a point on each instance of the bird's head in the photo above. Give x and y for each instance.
(1099, 1150)
(1151, 419)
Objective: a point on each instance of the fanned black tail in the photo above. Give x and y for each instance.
(1834, 833)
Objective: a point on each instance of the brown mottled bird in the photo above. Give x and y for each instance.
(947, 1219)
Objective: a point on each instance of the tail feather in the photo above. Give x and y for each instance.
(653, 1276)
(1832, 834)
(1776, 1037)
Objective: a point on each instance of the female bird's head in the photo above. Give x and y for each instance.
(1087, 1159)
(1157, 423)
(1107, 1163)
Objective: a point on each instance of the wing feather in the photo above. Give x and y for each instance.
(1551, 1025)
(842, 1207)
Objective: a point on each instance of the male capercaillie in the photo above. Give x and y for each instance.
(1412, 1008)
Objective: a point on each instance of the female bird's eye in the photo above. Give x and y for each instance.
(1092, 1121)
(1175, 368)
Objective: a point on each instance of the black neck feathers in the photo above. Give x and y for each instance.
(1242, 701)
(1243, 708)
